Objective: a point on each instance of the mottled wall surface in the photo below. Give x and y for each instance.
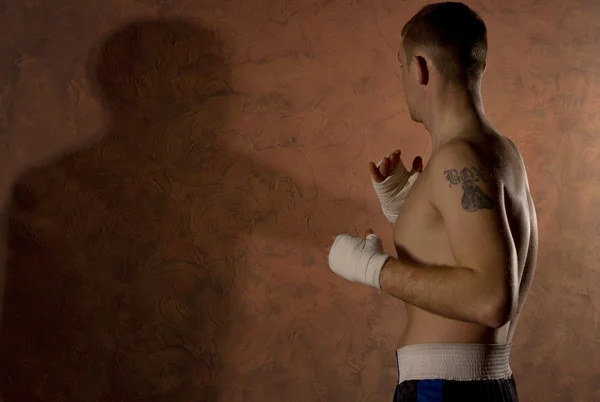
(172, 171)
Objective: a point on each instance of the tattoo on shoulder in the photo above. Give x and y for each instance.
(474, 198)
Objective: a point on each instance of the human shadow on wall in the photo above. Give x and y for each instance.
(123, 257)
(111, 287)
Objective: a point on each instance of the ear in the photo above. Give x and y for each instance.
(422, 70)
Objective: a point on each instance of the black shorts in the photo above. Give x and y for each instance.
(502, 390)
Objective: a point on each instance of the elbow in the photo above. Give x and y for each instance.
(499, 310)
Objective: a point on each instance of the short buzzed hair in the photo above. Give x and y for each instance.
(453, 36)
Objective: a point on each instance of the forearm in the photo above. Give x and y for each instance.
(452, 292)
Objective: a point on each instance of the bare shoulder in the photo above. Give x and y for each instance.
(495, 161)
(467, 165)
(459, 151)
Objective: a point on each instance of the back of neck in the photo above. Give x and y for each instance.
(455, 114)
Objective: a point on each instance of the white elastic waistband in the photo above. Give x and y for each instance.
(453, 361)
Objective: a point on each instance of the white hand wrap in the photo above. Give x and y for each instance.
(358, 259)
(392, 192)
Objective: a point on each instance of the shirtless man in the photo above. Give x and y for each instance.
(466, 232)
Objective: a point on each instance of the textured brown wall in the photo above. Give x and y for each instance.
(180, 166)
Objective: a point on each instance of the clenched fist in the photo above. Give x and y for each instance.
(358, 259)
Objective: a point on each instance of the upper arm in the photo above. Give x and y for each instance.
(470, 201)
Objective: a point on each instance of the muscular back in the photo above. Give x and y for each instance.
(422, 235)
(522, 220)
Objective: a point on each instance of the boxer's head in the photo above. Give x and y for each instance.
(444, 44)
